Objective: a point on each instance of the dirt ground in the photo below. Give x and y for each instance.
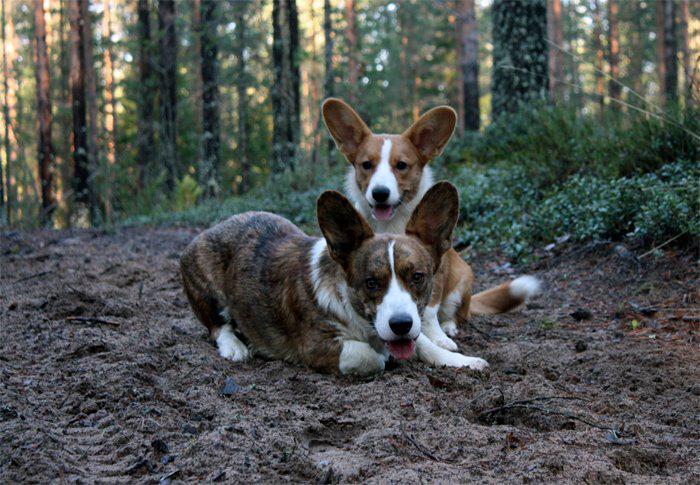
(107, 375)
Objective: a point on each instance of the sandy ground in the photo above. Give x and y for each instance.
(105, 374)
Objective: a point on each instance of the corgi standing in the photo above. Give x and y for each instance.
(388, 177)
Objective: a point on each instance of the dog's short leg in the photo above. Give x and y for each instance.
(432, 329)
(230, 347)
(360, 358)
(432, 354)
(450, 328)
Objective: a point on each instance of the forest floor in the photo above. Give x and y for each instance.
(106, 374)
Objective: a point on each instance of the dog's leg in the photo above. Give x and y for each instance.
(432, 329)
(230, 347)
(432, 354)
(360, 358)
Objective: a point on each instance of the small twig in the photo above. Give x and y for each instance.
(418, 446)
(93, 320)
(662, 245)
(31, 277)
(521, 405)
(482, 394)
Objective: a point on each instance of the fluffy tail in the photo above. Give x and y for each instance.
(505, 297)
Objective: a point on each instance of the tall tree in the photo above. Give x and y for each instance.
(555, 35)
(670, 58)
(468, 53)
(294, 61)
(519, 53)
(661, 47)
(81, 167)
(599, 55)
(683, 18)
(110, 117)
(242, 92)
(7, 121)
(352, 46)
(45, 150)
(168, 89)
(210, 170)
(285, 92)
(91, 100)
(145, 136)
(328, 35)
(614, 50)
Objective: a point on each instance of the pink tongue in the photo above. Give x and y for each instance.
(402, 349)
(383, 212)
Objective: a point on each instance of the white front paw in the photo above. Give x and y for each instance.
(450, 328)
(360, 358)
(460, 360)
(445, 342)
(230, 347)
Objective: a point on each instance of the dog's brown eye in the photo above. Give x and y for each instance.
(367, 165)
(371, 284)
(401, 165)
(417, 278)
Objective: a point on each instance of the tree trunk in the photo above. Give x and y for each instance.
(45, 151)
(520, 54)
(6, 114)
(328, 35)
(467, 38)
(660, 48)
(168, 89)
(351, 40)
(295, 95)
(670, 52)
(555, 34)
(81, 168)
(598, 46)
(614, 85)
(285, 92)
(684, 16)
(145, 136)
(198, 89)
(91, 97)
(279, 101)
(110, 118)
(241, 89)
(210, 171)
(636, 49)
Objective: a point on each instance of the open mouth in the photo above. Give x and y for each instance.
(402, 348)
(383, 212)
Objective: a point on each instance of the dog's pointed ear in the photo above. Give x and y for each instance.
(342, 226)
(434, 219)
(432, 131)
(346, 127)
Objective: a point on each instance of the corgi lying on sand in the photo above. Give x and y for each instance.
(340, 303)
(388, 177)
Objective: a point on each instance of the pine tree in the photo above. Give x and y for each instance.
(167, 42)
(45, 150)
(468, 49)
(520, 54)
(146, 87)
(211, 137)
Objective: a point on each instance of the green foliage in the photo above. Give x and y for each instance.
(528, 180)
(186, 193)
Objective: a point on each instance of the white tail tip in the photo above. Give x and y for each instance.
(524, 287)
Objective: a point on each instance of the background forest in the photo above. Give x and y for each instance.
(578, 118)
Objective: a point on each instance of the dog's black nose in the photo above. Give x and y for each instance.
(401, 323)
(380, 193)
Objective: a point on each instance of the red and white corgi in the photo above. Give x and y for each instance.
(340, 303)
(388, 177)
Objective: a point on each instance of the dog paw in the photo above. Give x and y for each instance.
(230, 347)
(459, 360)
(450, 328)
(360, 358)
(445, 342)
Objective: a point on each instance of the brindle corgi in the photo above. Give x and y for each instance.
(387, 178)
(340, 303)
